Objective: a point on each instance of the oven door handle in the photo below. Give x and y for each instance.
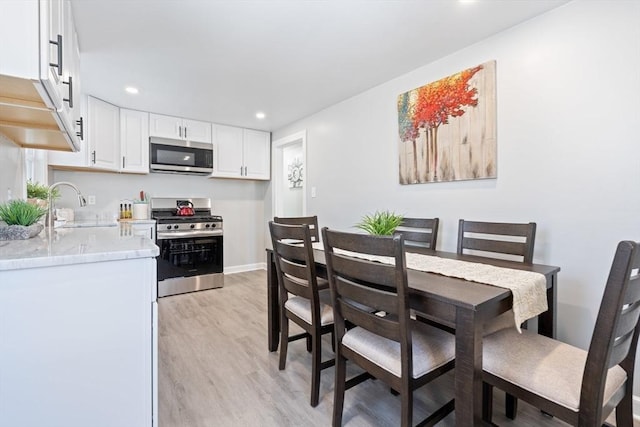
(178, 234)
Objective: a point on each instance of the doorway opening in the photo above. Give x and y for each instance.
(289, 195)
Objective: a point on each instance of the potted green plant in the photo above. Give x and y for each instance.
(21, 219)
(38, 194)
(382, 223)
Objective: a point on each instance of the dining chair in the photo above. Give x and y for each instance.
(421, 232)
(301, 298)
(494, 239)
(502, 240)
(397, 350)
(579, 387)
(311, 221)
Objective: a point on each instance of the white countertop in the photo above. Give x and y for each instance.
(74, 246)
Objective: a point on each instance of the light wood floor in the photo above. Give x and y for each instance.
(215, 370)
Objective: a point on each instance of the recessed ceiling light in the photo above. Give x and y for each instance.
(260, 115)
(131, 89)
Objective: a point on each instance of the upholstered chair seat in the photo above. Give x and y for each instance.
(544, 366)
(301, 307)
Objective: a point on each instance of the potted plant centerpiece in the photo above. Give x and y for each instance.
(382, 223)
(19, 220)
(38, 194)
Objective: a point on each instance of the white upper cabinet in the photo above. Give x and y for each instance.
(134, 141)
(179, 128)
(104, 134)
(241, 153)
(39, 74)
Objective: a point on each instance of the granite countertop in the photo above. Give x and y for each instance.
(74, 246)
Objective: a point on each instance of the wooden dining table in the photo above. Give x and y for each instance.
(463, 304)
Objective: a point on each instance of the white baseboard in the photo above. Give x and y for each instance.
(246, 267)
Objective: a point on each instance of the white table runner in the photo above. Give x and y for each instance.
(529, 289)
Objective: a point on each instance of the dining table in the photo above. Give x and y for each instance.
(463, 304)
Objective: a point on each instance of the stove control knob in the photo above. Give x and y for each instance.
(208, 225)
(213, 225)
(175, 227)
(168, 227)
(193, 226)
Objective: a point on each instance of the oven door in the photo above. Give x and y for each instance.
(189, 256)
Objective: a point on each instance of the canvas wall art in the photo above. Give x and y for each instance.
(448, 128)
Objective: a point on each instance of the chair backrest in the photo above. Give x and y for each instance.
(615, 335)
(357, 283)
(491, 238)
(421, 232)
(311, 221)
(295, 264)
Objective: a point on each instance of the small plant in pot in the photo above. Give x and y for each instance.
(382, 223)
(38, 194)
(21, 219)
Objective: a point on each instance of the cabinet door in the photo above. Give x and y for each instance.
(196, 131)
(165, 126)
(134, 141)
(257, 154)
(104, 134)
(227, 152)
(52, 30)
(79, 159)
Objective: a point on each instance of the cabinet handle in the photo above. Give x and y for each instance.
(57, 42)
(245, 171)
(70, 98)
(81, 124)
(185, 132)
(180, 131)
(122, 162)
(241, 172)
(93, 157)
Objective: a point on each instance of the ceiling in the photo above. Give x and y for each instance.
(224, 60)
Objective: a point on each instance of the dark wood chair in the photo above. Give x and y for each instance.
(579, 387)
(301, 299)
(421, 232)
(403, 353)
(311, 221)
(492, 239)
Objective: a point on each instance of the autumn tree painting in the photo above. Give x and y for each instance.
(447, 128)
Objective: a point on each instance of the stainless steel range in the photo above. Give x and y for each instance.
(190, 240)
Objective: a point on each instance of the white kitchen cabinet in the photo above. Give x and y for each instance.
(179, 128)
(139, 228)
(103, 126)
(39, 73)
(241, 153)
(134, 141)
(74, 160)
(78, 344)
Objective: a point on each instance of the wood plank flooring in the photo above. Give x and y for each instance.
(215, 370)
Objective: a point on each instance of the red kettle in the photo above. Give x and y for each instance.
(185, 208)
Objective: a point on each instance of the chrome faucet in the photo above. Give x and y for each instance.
(81, 199)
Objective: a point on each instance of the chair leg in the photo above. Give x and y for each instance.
(407, 408)
(316, 353)
(487, 402)
(339, 387)
(510, 406)
(284, 341)
(309, 344)
(624, 410)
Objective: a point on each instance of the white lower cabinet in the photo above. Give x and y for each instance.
(77, 345)
(241, 153)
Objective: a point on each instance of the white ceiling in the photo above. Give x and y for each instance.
(224, 60)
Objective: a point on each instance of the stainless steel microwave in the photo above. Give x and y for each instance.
(175, 156)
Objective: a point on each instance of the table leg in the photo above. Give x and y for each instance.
(468, 373)
(273, 308)
(547, 320)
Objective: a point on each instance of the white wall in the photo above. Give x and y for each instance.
(12, 178)
(568, 148)
(241, 204)
(291, 197)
